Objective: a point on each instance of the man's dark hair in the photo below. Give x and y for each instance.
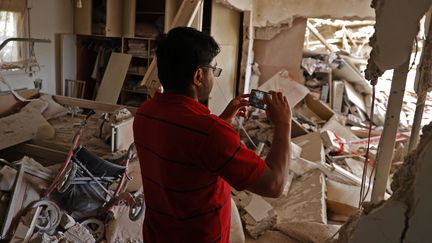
(180, 53)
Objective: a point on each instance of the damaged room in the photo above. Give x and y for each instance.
(241, 121)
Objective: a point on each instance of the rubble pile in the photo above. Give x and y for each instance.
(36, 207)
(28, 216)
(331, 118)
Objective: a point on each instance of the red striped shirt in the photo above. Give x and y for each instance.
(189, 158)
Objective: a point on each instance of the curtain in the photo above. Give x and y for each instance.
(13, 15)
(9, 27)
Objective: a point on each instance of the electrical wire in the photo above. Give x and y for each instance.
(365, 165)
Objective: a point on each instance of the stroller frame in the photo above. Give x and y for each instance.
(135, 201)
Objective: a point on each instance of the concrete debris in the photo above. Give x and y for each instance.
(312, 147)
(16, 128)
(342, 200)
(121, 229)
(404, 216)
(67, 221)
(308, 231)
(283, 82)
(305, 201)
(36, 105)
(96, 227)
(78, 234)
(54, 109)
(273, 236)
(258, 216)
(241, 198)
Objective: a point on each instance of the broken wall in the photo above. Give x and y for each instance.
(240, 5)
(405, 216)
(284, 51)
(397, 24)
(285, 11)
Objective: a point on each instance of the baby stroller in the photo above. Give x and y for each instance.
(84, 180)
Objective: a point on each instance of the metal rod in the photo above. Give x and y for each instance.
(94, 178)
(388, 136)
(17, 39)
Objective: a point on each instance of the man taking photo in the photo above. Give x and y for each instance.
(189, 157)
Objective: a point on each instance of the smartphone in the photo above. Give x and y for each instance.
(256, 99)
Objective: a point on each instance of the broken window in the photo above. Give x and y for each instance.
(9, 27)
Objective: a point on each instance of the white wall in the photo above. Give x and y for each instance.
(47, 18)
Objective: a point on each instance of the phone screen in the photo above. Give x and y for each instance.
(256, 99)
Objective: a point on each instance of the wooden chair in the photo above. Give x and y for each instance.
(75, 88)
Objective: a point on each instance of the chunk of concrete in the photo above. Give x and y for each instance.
(121, 229)
(67, 221)
(78, 234)
(258, 216)
(384, 224)
(312, 147)
(305, 201)
(54, 109)
(405, 216)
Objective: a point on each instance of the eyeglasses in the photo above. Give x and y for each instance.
(216, 71)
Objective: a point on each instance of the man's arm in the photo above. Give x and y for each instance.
(271, 183)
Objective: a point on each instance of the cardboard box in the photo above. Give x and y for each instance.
(313, 108)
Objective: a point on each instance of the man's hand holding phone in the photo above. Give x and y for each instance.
(278, 110)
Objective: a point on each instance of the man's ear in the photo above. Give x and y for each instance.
(198, 77)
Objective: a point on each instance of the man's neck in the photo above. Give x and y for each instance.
(189, 92)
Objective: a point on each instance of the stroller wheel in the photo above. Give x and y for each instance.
(49, 217)
(68, 177)
(96, 227)
(137, 209)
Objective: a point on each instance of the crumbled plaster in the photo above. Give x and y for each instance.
(239, 5)
(282, 12)
(405, 216)
(397, 24)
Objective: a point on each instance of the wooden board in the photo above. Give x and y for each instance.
(113, 78)
(9, 104)
(20, 127)
(338, 91)
(355, 97)
(90, 104)
(184, 17)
